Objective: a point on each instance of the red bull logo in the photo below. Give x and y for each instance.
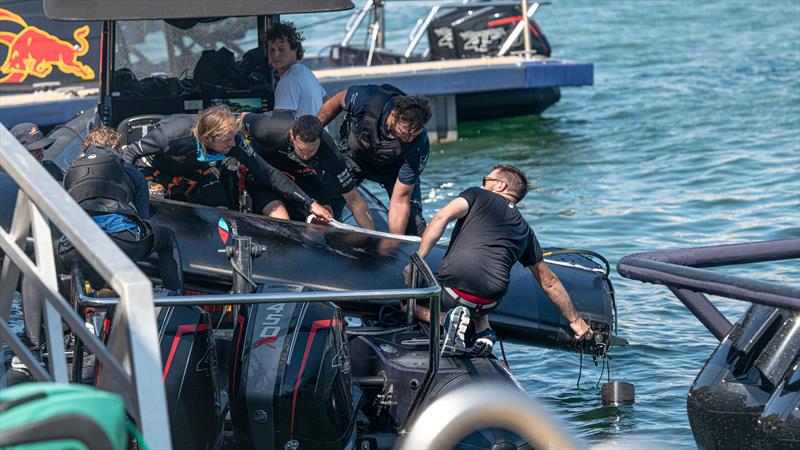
(33, 51)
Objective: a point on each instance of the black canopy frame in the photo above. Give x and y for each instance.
(105, 10)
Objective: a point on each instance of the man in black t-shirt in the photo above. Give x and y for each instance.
(489, 237)
(304, 152)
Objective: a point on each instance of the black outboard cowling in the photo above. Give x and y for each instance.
(748, 393)
(479, 32)
(290, 379)
(190, 377)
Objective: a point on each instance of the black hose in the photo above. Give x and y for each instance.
(611, 292)
(374, 381)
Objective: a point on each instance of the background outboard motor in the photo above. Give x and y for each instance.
(190, 377)
(186, 340)
(748, 393)
(480, 31)
(290, 381)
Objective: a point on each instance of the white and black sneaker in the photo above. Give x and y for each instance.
(455, 328)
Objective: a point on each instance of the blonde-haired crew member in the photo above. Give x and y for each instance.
(185, 145)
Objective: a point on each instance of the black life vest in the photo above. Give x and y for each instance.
(97, 182)
(365, 138)
(271, 142)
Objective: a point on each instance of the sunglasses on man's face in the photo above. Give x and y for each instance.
(488, 179)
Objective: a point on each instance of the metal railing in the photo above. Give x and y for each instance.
(678, 269)
(419, 271)
(464, 410)
(377, 29)
(421, 27)
(132, 356)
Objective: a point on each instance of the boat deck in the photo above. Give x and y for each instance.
(463, 75)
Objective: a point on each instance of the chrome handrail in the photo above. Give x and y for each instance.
(466, 409)
(132, 356)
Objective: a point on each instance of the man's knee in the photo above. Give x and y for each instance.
(276, 210)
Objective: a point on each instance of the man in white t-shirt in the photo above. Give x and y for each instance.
(298, 90)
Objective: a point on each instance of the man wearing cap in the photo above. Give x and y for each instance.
(31, 137)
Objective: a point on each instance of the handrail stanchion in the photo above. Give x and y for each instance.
(45, 262)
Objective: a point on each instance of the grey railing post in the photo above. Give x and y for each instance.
(134, 359)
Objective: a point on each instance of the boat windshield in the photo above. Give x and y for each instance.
(183, 49)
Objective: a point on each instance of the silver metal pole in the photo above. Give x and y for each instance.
(527, 32)
(242, 262)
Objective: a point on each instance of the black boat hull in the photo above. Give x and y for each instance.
(748, 393)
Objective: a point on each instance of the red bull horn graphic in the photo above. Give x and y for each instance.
(33, 51)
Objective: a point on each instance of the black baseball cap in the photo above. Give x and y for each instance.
(29, 135)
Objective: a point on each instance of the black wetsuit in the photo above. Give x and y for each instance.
(270, 139)
(172, 149)
(115, 195)
(172, 138)
(485, 245)
(372, 155)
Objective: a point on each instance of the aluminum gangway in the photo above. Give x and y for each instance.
(132, 357)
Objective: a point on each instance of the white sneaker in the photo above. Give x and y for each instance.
(455, 328)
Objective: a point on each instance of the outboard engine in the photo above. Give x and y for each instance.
(186, 340)
(190, 377)
(481, 31)
(290, 382)
(748, 393)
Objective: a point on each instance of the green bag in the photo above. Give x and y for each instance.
(46, 416)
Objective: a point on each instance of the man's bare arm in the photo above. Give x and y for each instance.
(554, 289)
(454, 210)
(332, 108)
(359, 208)
(400, 207)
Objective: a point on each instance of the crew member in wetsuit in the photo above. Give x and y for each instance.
(115, 194)
(307, 154)
(31, 137)
(489, 237)
(384, 138)
(181, 144)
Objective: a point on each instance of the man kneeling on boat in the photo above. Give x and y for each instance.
(115, 194)
(306, 153)
(193, 149)
(489, 237)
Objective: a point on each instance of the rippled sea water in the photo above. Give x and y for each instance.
(690, 136)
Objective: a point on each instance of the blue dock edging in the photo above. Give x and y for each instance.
(461, 80)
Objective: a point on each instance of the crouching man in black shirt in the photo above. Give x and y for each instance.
(307, 154)
(489, 238)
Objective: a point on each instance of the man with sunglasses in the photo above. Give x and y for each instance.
(489, 237)
(384, 140)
